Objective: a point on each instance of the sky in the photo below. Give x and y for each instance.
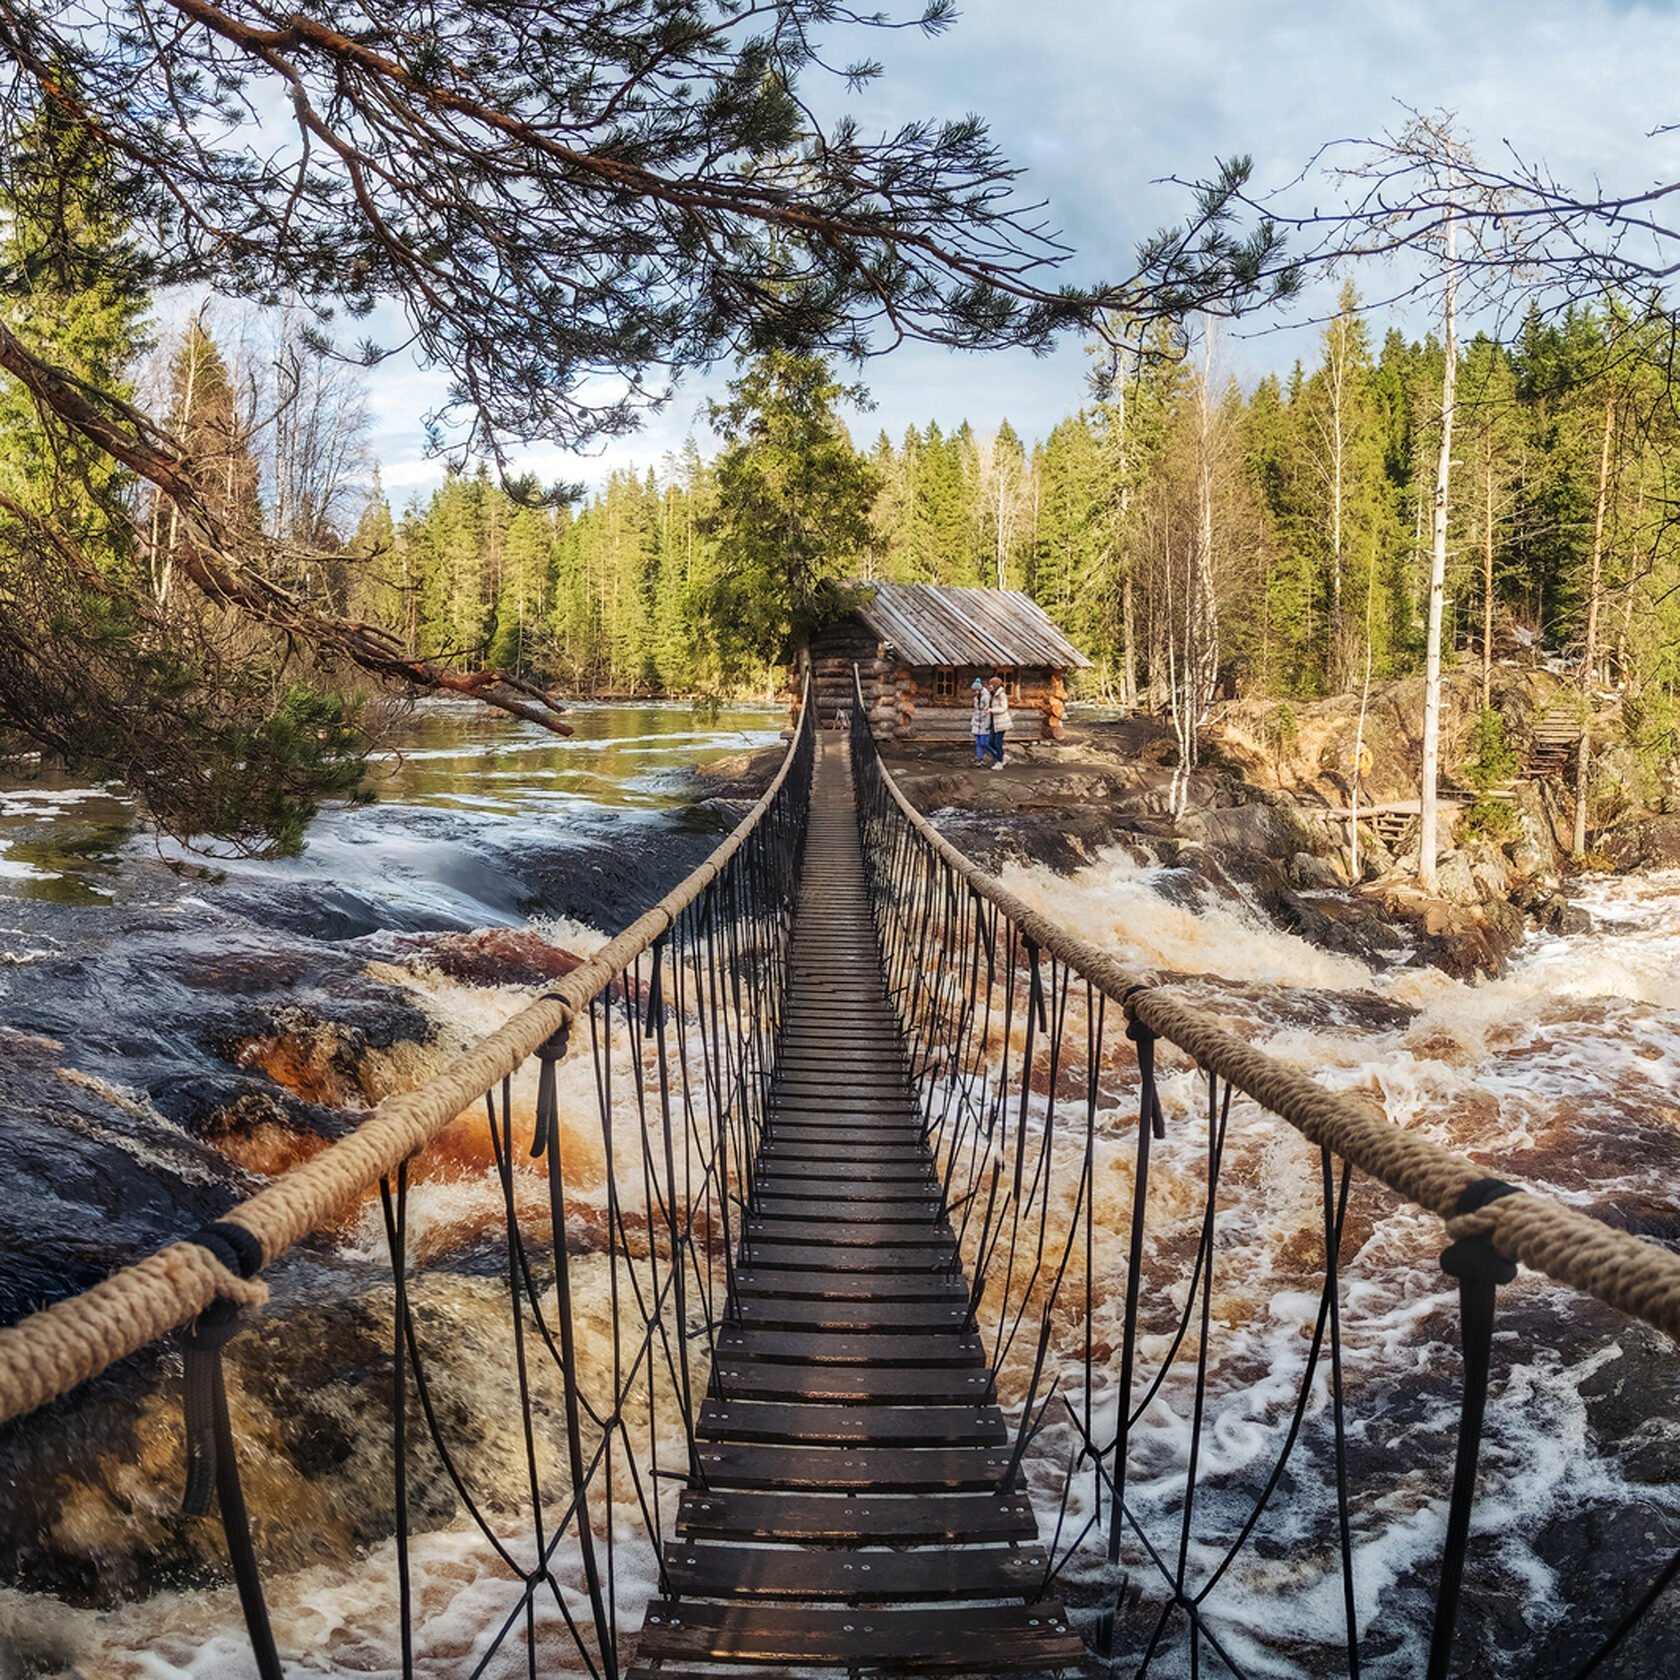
(1099, 100)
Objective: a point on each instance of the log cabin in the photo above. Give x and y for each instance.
(919, 646)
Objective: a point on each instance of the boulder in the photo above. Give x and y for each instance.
(1491, 873)
(1463, 939)
(1312, 872)
(1455, 880)
(1272, 830)
(1649, 842)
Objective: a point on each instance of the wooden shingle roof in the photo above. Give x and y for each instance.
(943, 624)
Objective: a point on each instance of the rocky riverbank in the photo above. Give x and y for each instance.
(1266, 815)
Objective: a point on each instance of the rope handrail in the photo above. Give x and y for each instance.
(50, 1352)
(1637, 1278)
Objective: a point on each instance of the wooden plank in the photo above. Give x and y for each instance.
(823, 1257)
(805, 1125)
(809, 1068)
(808, 1158)
(850, 1234)
(865, 1174)
(849, 1347)
(708, 1571)
(844, 1113)
(862, 1426)
(733, 1464)
(926, 1230)
(851, 1385)
(843, 1086)
(826, 1519)
(875, 1317)
(1036, 1637)
(835, 1285)
(848, 1210)
(831, 1188)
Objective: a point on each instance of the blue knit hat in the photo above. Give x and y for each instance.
(977, 683)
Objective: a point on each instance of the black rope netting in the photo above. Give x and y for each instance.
(542, 1396)
(1168, 1315)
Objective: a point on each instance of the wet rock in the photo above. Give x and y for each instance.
(1531, 859)
(1348, 923)
(1650, 842)
(1558, 915)
(739, 775)
(90, 1487)
(607, 882)
(1462, 939)
(337, 1063)
(494, 957)
(1270, 829)
(1311, 871)
(1489, 871)
(95, 1178)
(1455, 881)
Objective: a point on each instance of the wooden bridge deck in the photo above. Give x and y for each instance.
(854, 1513)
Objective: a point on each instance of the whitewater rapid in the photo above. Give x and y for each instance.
(1560, 1075)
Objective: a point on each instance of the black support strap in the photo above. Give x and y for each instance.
(212, 1465)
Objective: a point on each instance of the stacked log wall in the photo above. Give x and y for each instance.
(1036, 716)
(833, 655)
(901, 701)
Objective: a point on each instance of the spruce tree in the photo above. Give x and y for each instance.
(793, 503)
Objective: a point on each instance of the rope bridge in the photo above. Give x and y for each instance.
(852, 1308)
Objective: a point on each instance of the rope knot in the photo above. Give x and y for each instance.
(1471, 1253)
(230, 1256)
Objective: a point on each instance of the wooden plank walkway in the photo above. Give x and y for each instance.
(854, 1514)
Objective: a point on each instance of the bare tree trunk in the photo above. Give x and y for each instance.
(1338, 462)
(1431, 768)
(182, 423)
(1359, 728)
(1589, 654)
(1128, 653)
(1487, 575)
(1624, 633)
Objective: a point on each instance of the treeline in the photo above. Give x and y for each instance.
(1279, 537)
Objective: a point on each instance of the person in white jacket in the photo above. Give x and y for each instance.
(980, 724)
(999, 718)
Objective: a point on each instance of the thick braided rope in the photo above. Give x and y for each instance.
(78, 1338)
(48, 1353)
(1637, 1278)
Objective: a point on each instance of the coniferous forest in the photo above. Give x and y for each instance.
(1314, 492)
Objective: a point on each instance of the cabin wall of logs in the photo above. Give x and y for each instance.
(925, 701)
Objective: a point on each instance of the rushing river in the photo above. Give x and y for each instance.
(177, 1028)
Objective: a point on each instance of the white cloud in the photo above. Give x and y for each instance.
(1098, 101)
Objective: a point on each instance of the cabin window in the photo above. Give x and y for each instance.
(944, 685)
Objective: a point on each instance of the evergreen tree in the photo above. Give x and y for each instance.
(73, 289)
(793, 501)
(212, 728)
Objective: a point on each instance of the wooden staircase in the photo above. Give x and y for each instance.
(1554, 743)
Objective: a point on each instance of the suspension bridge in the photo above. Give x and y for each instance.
(858, 1316)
